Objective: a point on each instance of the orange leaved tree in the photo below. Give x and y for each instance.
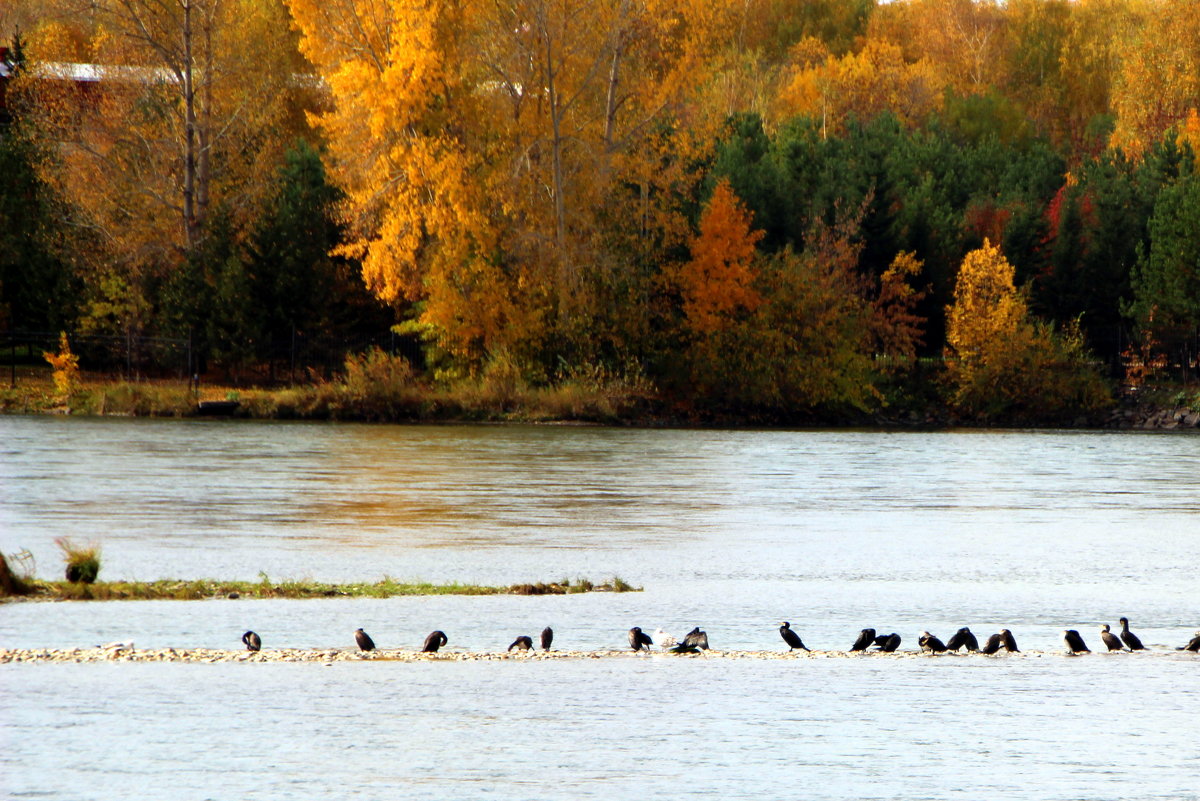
(717, 282)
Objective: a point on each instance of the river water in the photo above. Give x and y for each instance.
(730, 530)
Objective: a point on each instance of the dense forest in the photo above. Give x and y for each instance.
(767, 209)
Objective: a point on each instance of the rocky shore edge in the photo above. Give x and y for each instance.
(1154, 418)
(126, 653)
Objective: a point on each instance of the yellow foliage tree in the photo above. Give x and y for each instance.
(66, 368)
(987, 308)
(400, 146)
(861, 85)
(1091, 57)
(1159, 77)
(962, 39)
(1189, 132)
(1004, 365)
(717, 282)
(483, 145)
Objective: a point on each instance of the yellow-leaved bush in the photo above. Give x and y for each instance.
(1005, 366)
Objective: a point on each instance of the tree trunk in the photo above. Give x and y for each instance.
(190, 232)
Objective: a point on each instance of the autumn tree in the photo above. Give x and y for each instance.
(808, 348)
(485, 146)
(1159, 77)
(717, 282)
(1090, 64)
(1037, 32)
(963, 39)
(987, 308)
(862, 85)
(185, 112)
(1005, 365)
(896, 322)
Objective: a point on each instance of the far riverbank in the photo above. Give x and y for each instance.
(621, 403)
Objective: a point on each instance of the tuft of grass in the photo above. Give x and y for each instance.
(199, 589)
(10, 582)
(620, 585)
(83, 561)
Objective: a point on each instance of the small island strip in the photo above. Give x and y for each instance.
(202, 589)
(128, 652)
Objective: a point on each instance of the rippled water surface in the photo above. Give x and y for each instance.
(731, 530)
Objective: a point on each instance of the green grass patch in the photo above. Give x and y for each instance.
(199, 589)
(82, 561)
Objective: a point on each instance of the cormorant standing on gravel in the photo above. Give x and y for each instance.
(866, 638)
(252, 640)
(1010, 642)
(547, 638)
(524, 643)
(993, 644)
(1193, 644)
(696, 639)
(694, 642)
(1075, 642)
(791, 638)
(1110, 639)
(433, 642)
(639, 639)
(1129, 638)
(888, 643)
(364, 640)
(930, 644)
(963, 638)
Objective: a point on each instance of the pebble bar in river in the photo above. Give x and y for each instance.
(126, 654)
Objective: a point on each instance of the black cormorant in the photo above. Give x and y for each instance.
(252, 640)
(1193, 644)
(865, 638)
(364, 640)
(434, 641)
(963, 638)
(524, 643)
(1110, 639)
(1010, 642)
(696, 639)
(1129, 638)
(1075, 642)
(888, 642)
(930, 644)
(547, 638)
(993, 644)
(791, 638)
(639, 639)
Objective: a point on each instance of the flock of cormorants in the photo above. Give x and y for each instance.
(696, 641)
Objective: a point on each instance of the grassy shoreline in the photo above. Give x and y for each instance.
(596, 400)
(589, 401)
(202, 589)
